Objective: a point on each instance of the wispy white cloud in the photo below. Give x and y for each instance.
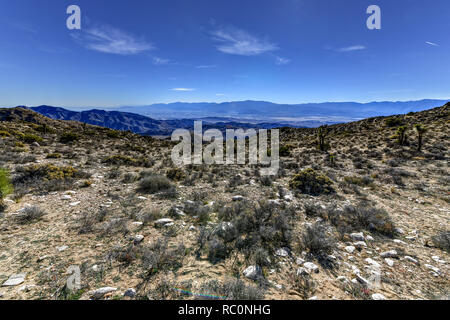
(183, 89)
(282, 61)
(206, 66)
(24, 27)
(432, 44)
(160, 61)
(239, 42)
(108, 39)
(352, 48)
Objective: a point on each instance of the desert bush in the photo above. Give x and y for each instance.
(393, 122)
(322, 132)
(442, 240)
(355, 218)
(54, 156)
(124, 254)
(5, 187)
(176, 174)
(30, 138)
(235, 289)
(303, 284)
(310, 182)
(159, 257)
(68, 137)
(154, 183)
(129, 177)
(217, 250)
(30, 214)
(317, 241)
(116, 226)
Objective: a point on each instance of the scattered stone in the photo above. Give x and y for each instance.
(191, 228)
(350, 249)
(373, 263)
(253, 272)
(389, 254)
(100, 293)
(411, 259)
(66, 197)
(131, 293)
(378, 296)
(390, 262)
(436, 270)
(163, 222)
(357, 236)
(74, 204)
(342, 279)
(399, 230)
(63, 248)
(138, 238)
(311, 267)
(369, 238)
(282, 252)
(438, 259)
(313, 298)
(360, 244)
(238, 198)
(15, 280)
(399, 241)
(95, 268)
(142, 198)
(362, 280)
(300, 261)
(302, 272)
(27, 288)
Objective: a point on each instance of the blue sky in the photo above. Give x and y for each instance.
(140, 52)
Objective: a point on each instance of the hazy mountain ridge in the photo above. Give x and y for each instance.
(140, 124)
(329, 112)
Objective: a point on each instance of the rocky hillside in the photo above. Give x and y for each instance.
(362, 215)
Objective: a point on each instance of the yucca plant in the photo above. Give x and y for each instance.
(421, 130)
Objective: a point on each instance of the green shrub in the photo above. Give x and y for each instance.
(310, 182)
(5, 186)
(69, 137)
(30, 138)
(4, 134)
(175, 174)
(393, 122)
(154, 183)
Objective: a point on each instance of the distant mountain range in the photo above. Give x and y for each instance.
(309, 114)
(141, 124)
(163, 119)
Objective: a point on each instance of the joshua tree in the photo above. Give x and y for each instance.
(401, 135)
(420, 132)
(322, 133)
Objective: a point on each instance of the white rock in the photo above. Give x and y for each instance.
(369, 238)
(357, 236)
(302, 272)
(378, 296)
(436, 270)
(360, 244)
(191, 228)
(74, 204)
(142, 198)
(99, 293)
(390, 262)
(389, 254)
(282, 252)
(66, 197)
(163, 221)
(138, 238)
(313, 298)
(253, 272)
(373, 262)
(362, 280)
(15, 280)
(342, 279)
(300, 261)
(63, 248)
(238, 198)
(311, 267)
(399, 241)
(350, 249)
(411, 259)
